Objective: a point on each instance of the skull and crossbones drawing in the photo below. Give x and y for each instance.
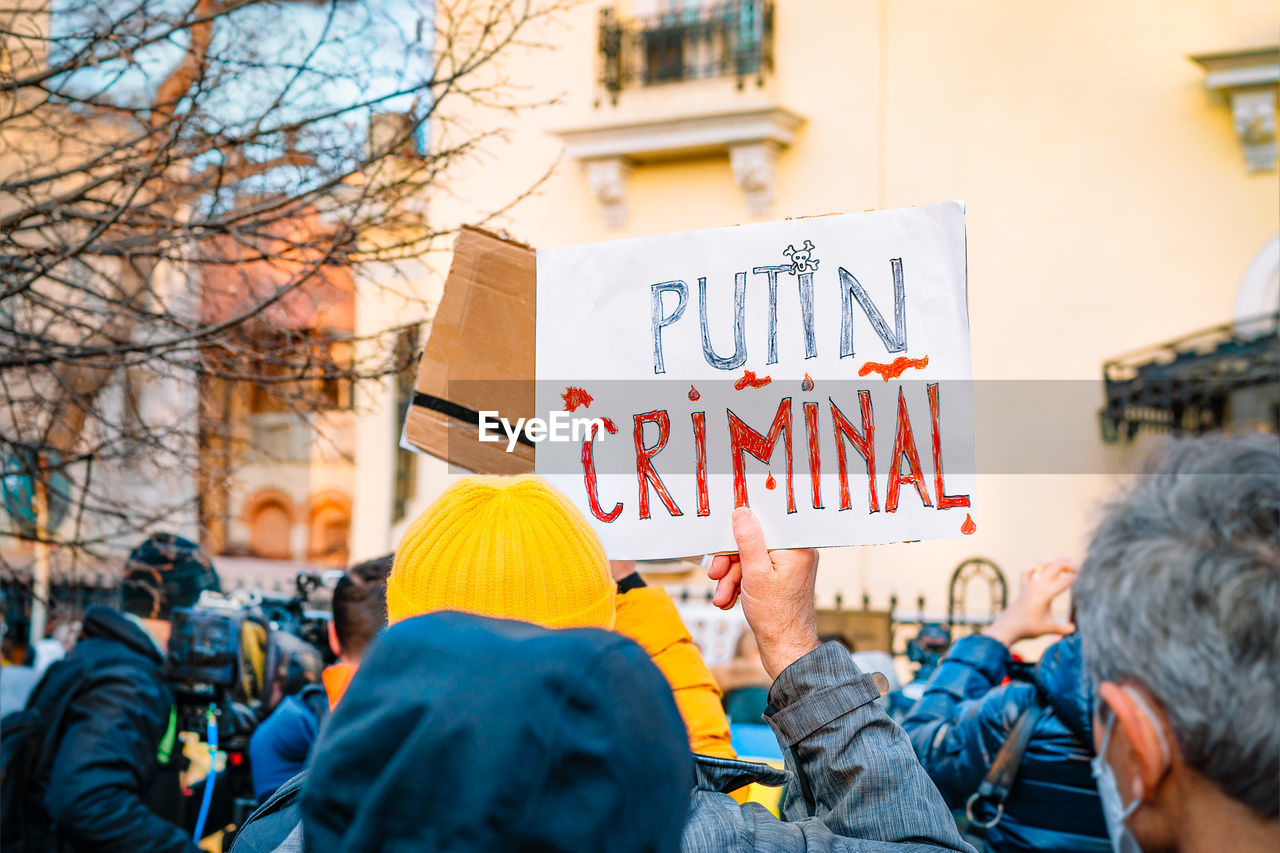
(802, 259)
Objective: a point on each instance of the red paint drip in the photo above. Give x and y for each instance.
(575, 397)
(750, 380)
(807, 384)
(693, 394)
(770, 483)
(968, 528)
(894, 370)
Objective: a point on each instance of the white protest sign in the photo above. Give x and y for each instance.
(817, 370)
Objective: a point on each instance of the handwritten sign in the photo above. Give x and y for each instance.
(816, 370)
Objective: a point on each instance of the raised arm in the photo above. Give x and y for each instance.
(965, 713)
(958, 725)
(858, 783)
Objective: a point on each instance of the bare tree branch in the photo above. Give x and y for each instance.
(186, 187)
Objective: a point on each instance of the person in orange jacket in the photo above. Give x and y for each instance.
(515, 548)
(647, 615)
(359, 612)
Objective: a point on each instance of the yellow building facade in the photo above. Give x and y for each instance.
(1119, 194)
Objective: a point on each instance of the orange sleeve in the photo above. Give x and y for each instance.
(649, 616)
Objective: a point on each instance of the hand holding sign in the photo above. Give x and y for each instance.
(776, 588)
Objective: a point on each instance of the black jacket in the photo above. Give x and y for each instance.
(966, 714)
(94, 794)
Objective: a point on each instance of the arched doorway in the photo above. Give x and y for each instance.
(270, 517)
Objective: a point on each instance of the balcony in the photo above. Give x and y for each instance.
(732, 39)
(689, 83)
(1208, 380)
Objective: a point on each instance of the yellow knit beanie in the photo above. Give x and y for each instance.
(509, 547)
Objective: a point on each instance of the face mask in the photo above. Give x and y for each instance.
(1114, 811)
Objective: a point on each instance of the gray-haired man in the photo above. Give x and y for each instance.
(1178, 607)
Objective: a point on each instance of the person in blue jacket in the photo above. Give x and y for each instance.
(970, 706)
(281, 746)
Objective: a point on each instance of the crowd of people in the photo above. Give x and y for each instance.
(526, 693)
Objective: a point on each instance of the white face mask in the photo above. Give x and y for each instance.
(1114, 811)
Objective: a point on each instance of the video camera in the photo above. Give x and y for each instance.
(293, 615)
(232, 659)
(217, 655)
(244, 652)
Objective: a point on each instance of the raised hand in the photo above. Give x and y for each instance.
(1029, 615)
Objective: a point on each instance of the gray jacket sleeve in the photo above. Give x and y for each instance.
(858, 785)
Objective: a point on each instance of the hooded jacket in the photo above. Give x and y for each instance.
(95, 793)
(465, 733)
(964, 717)
(853, 785)
(282, 744)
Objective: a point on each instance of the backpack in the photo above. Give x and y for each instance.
(998, 782)
(28, 743)
(316, 699)
(276, 825)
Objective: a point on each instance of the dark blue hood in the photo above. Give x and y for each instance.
(112, 626)
(1064, 685)
(472, 734)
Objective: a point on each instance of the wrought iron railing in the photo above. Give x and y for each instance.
(1185, 386)
(727, 39)
(966, 613)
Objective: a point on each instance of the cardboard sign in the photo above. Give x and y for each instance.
(478, 357)
(816, 370)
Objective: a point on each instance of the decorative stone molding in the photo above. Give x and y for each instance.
(691, 134)
(1254, 112)
(1248, 79)
(751, 136)
(608, 179)
(752, 164)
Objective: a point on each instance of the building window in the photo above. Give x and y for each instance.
(669, 42)
(132, 425)
(307, 374)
